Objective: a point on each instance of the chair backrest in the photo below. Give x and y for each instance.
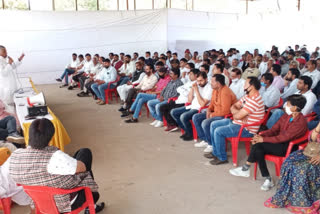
(43, 199)
(298, 141)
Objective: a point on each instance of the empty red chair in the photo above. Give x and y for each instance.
(279, 160)
(108, 92)
(42, 197)
(5, 205)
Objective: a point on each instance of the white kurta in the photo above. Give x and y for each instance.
(8, 80)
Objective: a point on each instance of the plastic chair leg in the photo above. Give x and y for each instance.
(234, 148)
(194, 132)
(278, 168)
(6, 205)
(248, 144)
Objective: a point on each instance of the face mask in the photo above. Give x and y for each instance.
(288, 111)
(235, 80)
(247, 91)
(263, 84)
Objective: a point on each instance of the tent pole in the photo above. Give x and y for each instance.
(298, 5)
(247, 6)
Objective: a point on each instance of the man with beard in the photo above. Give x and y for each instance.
(291, 80)
(199, 96)
(143, 98)
(126, 70)
(108, 74)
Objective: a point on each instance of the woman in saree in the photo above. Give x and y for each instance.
(299, 186)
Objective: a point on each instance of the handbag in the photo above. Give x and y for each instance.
(312, 149)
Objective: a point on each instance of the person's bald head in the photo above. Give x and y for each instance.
(3, 51)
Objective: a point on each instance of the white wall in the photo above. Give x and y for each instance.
(49, 38)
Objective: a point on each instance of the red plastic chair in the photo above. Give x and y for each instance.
(42, 197)
(279, 160)
(163, 118)
(280, 104)
(5, 205)
(303, 146)
(247, 140)
(311, 116)
(108, 92)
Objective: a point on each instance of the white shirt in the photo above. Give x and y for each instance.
(127, 69)
(108, 74)
(263, 67)
(270, 96)
(210, 73)
(311, 100)
(198, 65)
(140, 78)
(205, 93)
(73, 63)
(186, 78)
(290, 89)
(184, 92)
(314, 75)
(88, 65)
(62, 164)
(237, 86)
(8, 83)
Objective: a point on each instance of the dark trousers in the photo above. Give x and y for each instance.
(7, 126)
(85, 156)
(165, 110)
(259, 150)
(82, 79)
(77, 76)
(132, 94)
(88, 87)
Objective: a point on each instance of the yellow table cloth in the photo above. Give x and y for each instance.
(60, 138)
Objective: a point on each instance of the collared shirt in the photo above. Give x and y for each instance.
(263, 68)
(127, 69)
(255, 107)
(221, 101)
(284, 69)
(73, 63)
(171, 89)
(290, 89)
(311, 100)
(314, 75)
(8, 83)
(284, 130)
(238, 87)
(185, 79)
(108, 74)
(270, 96)
(161, 84)
(147, 83)
(184, 92)
(278, 82)
(205, 93)
(250, 72)
(88, 65)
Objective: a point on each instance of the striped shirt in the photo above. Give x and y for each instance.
(255, 107)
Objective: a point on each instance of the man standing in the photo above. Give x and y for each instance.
(8, 83)
(107, 75)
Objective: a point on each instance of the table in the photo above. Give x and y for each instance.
(60, 138)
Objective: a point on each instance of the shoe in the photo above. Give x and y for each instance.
(99, 207)
(59, 80)
(239, 172)
(171, 128)
(132, 120)
(102, 103)
(202, 144)
(182, 136)
(125, 114)
(210, 156)
(70, 87)
(122, 109)
(99, 101)
(154, 123)
(64, 85)
(15, 138)
(209, 149)
(188, 138)
(267, 185)
(158, 124)
(218, 162)
(83, 94)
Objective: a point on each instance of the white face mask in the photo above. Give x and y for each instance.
(235, 80)
(288, 111)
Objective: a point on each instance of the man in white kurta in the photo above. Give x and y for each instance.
(8, 79)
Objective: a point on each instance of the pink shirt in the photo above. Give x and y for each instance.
(162, 83)
(278, 83)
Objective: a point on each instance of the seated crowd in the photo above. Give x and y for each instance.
(212, 98)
